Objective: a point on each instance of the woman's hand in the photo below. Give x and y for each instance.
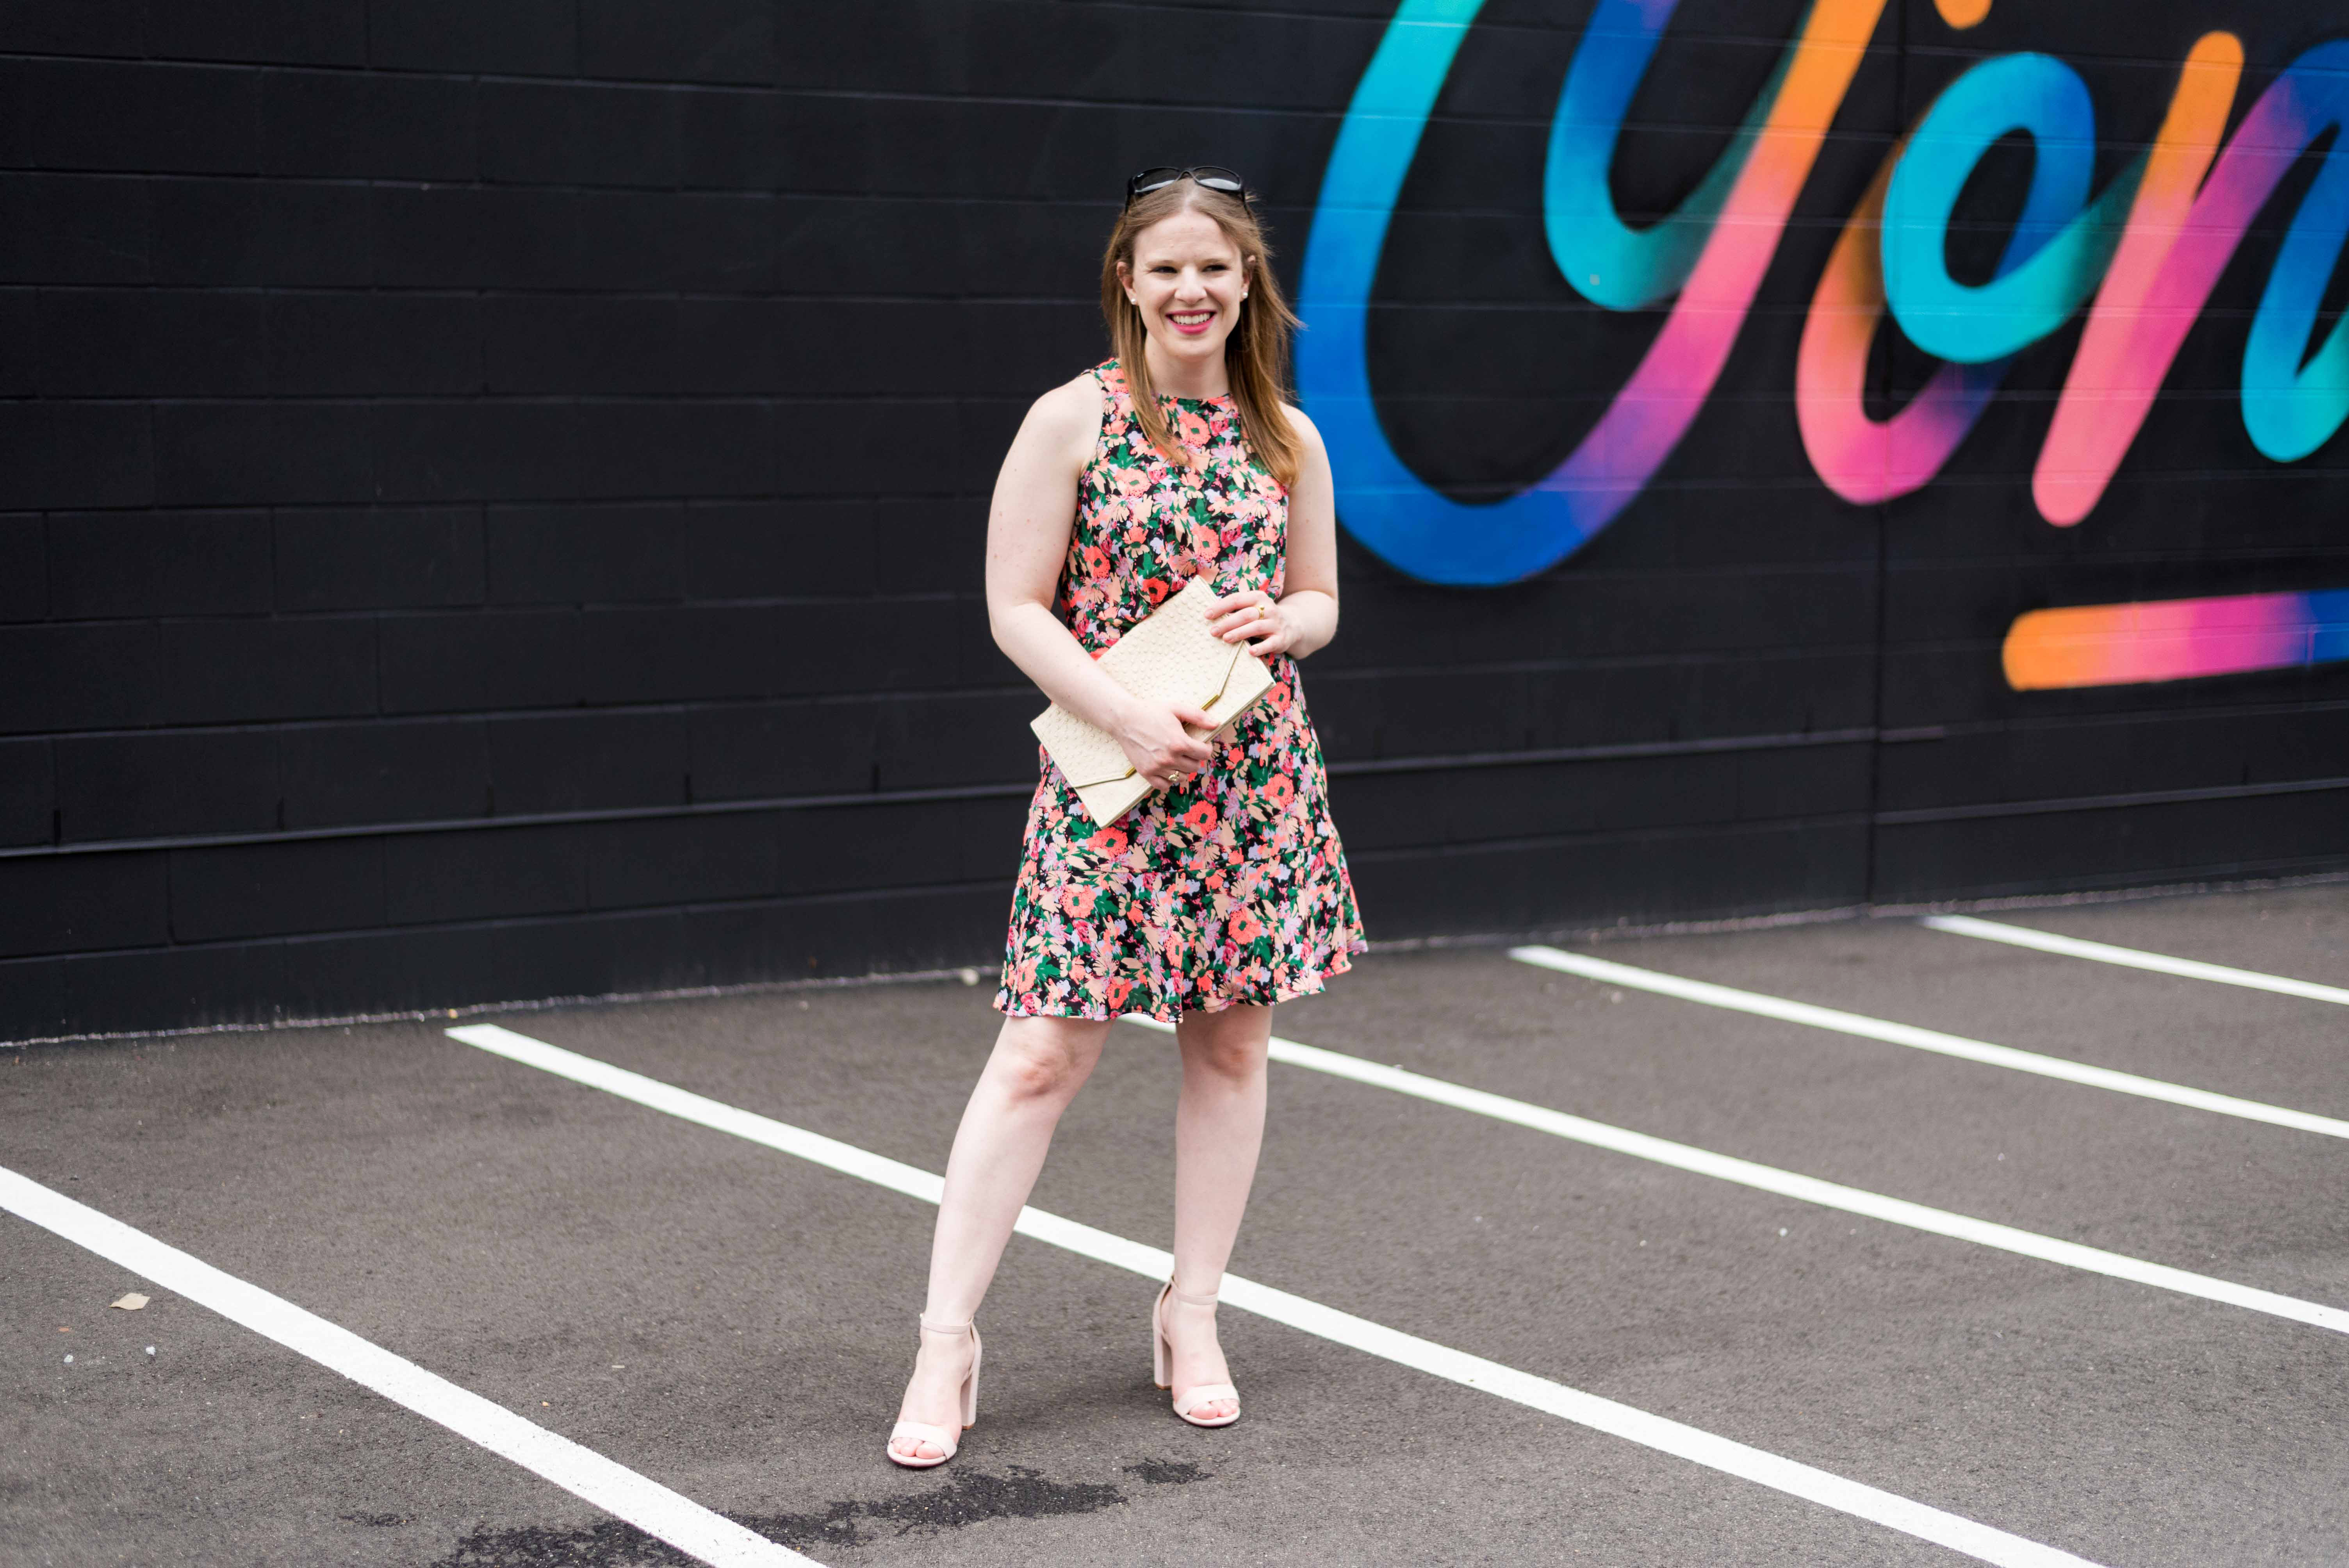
(1252, 616)
(1158, 746)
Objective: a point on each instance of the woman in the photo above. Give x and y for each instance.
(1225, 890)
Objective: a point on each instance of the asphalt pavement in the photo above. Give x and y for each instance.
(734, 1320)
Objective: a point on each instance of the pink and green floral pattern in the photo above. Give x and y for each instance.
(1228, 888)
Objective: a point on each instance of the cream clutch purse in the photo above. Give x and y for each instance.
(1170, 654)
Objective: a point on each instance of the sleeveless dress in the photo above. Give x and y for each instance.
(1232, 886)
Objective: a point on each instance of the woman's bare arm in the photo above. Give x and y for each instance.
(1305, 617)
(1309, 598)
(1027, 532)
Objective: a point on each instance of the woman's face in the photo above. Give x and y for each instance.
(1187, 281)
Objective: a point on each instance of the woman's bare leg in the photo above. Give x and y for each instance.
(1038, 1066)
(1218, 1128)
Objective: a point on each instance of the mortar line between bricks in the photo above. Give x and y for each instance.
(1924, 815)
(1424, 764)
(1981, 1542)
(535, 819)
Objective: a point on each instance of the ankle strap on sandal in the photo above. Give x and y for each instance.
(1187, 1298)
(962, 1327)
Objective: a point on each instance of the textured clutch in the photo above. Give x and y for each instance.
(1170, 656)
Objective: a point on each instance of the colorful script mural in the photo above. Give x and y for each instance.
(2143, 256)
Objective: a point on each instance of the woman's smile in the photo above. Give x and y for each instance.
(1191, 323)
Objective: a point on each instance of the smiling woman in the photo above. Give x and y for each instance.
(1226, 891)
(1214, 334)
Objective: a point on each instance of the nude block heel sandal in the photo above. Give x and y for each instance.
(944, 1438)
(1162, 1360)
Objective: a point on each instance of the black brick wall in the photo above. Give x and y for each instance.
(491, 502)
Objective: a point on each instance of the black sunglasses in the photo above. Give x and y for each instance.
(1211, 176)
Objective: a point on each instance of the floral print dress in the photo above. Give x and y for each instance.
(1231, 886)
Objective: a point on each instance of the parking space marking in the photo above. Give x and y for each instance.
(1976, 1540)
(1982, 1051)
(1790, 1184)
(584, 1474)
(2131, 958)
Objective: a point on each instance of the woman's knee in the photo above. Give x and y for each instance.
(1042, 1065)
(1232, 1047)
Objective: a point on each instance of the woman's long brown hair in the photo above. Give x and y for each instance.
(1256, 355)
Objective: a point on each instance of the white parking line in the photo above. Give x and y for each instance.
(2130, 957)
(1982, 1051)
(613, 1488)
(1788, 1184)
(1889, 1509)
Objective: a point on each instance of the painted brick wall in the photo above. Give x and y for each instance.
(492, 499)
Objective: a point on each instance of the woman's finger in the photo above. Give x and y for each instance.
(1251, 621)
(1258, 633)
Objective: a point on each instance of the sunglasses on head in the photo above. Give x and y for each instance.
(1211, 176)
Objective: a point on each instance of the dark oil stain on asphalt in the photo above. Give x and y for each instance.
(608, 1543)
(1168, 1472)
(968, 1497)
